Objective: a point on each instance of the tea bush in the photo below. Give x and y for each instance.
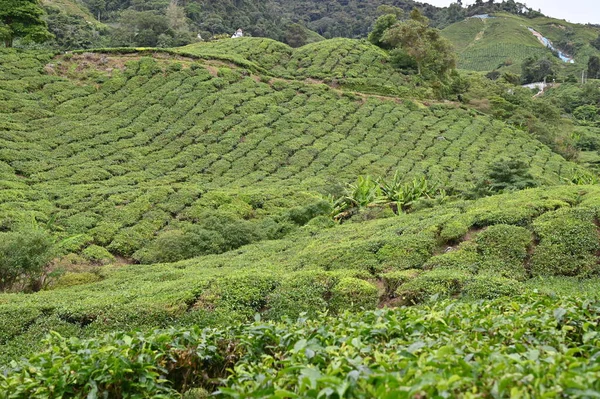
(136, 156)
(504, 250)
(429, 351)
(354, 294)
(568, 243)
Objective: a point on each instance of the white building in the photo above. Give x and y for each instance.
(237, 34)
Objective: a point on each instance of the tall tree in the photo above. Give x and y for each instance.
(431, 52)
(536, 69)
(382, 24)
(22, 19)
(594, 67)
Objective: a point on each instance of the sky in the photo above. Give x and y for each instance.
(580, 11)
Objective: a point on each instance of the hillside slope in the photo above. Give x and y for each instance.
(504, 41)
(496, 246)
(72, 8)
(163, 145)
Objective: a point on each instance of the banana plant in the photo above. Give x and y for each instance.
(361, 194)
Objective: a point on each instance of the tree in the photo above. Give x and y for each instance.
(24, 256)
(537, 69)
(594, 67)
(430, 51)
(586, 113)
(296, 35)
(72, 32)
(455, 12)
(382, 24)
(97, 7)
(385, 10)
(596, 43)
(22, 19)
(141, 28)
(504, 175)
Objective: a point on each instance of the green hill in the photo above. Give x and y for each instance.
(72, 8)
(196, 186)
(543, 239)
(504, 41)
(347, 63)
(147, 148)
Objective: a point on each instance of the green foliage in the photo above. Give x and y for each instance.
(23, 257)
(358, 195)
(383, 350)
(72, 31)
(303, 293)
(382, 24)
(432, 53)
(298, 273)
(538, 70)
(568, 244)
(400, 196)
(353, 294)
(587, 113)
(443, 283)
(73, 279)
(97, 254)
(504, 249)
(506, 175)
(22, 19)
(404, 195)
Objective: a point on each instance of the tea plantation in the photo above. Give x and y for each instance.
(504, 41)
(192, 190)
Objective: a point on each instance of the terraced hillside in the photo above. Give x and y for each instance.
(352, 64)
(216, 172)
(545, 239)
(504, 41)
(150, 149)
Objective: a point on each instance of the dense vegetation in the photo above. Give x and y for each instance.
(532, 346)
(504, 41)
(495, 246)
(193, 189)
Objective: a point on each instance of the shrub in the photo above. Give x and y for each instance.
(97, 254)
(464, 258)
(491, 287)
(302, 215)
(505, 175)
(568, 243)
(175, 245)
(455, 283)
(504, 250)
(245, 293)
(353, 294)
(303, 292)
(24, 256)
(454, 230)
(440, 282)
(393, 280)
(72, 279)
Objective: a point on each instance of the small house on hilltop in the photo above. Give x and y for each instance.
(238, 33)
